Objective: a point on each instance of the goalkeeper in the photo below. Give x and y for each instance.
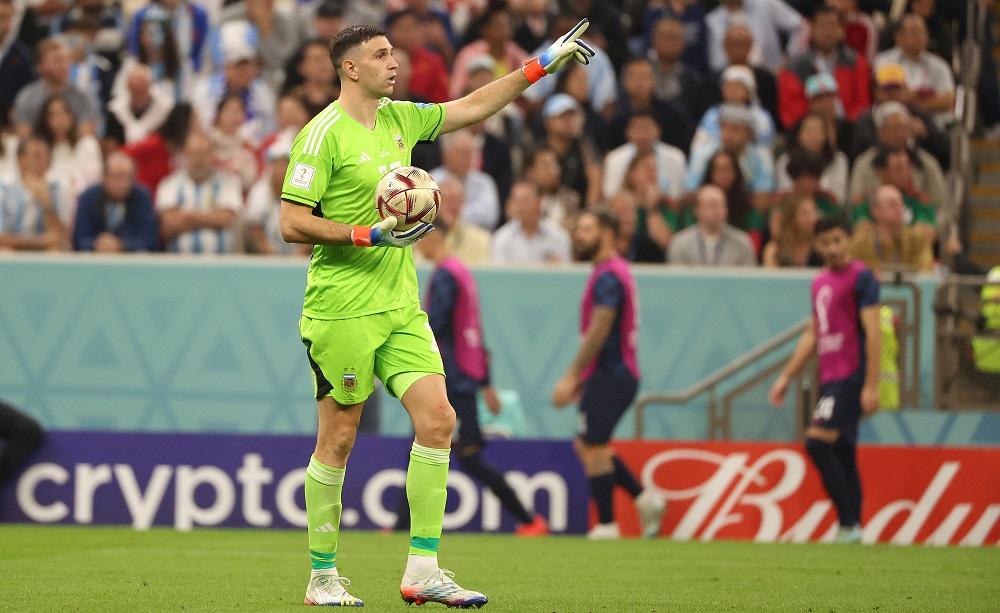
(361, 317)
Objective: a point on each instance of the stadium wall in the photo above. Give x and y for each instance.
(160, 344)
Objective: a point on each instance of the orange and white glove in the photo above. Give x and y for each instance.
(568, 46)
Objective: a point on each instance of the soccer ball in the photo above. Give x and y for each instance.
(410, 194)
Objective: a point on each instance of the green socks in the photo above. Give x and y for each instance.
(427, 492)
(323, 487)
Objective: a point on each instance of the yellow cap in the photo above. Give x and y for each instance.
(890, 74)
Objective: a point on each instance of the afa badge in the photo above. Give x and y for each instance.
(399, 141)
(350, 382)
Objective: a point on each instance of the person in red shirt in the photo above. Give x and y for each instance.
(827, 53)
(428, 73)
(155, 155)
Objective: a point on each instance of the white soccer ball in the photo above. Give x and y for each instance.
(410, 195)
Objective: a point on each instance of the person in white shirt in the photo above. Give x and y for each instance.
(768, 19)
(34, 212)
(263, 203)
(139, 109)
(482, 202)
(198, 206)
(712, 241)
(928, 78)
(643, 134)
(76, 156)
(527, 238)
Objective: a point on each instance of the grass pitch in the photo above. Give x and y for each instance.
(116, 569)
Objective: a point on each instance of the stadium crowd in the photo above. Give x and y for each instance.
(716, 132)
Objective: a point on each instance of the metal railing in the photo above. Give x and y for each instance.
(772, 354)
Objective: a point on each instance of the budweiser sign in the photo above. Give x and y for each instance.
(767, 492)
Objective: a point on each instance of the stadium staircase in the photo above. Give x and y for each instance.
(984, 195)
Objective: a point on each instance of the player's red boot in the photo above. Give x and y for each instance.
(537, 527)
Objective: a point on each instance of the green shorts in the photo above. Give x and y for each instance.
(346, 355)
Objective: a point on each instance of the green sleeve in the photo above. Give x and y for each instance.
(923, 213)
(309, 168)
(421, 121)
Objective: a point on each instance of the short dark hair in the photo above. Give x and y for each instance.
(351, 37)
(826, 9)
(330, 9)
(22, 145)
(400, 14)
(605, 219)
(881, 159)
(803, 163)
(832, 222)
(643, 114)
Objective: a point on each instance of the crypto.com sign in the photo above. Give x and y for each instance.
(768, 492)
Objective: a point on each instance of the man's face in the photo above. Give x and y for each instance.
(895, 131)
(316, 66)
(898, 171)
(824, 104)
(327, 27)
(457, 155)
(497, 30)
(35, 159)
(894, 92)
(735, 92)
(56, 64)
(805, 185)
(735, 137)
(118, 178)
(568, 124)
(668, 40)
(374, 66)
(889, 208)
(827, 32)
(832, 247)
(624, 206)
(737, 45)
(524, 205)
(139, 86)
(912, 35)
(638, 80)
(710, 209)
(545, 171)
(452, 199)
(587, 237)
(407, 32)
(239, 75)
(199, 157)
(643, 132)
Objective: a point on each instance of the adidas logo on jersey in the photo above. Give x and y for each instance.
(327, 527)
(364, 158)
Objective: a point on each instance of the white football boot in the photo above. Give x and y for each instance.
(439, 586)
(604, 532)
(330, 590)
(651, 506)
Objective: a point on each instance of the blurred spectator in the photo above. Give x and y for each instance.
(495, 40)
(187, 20)
(436, 23)
(530, 19)
(737, 137)
(579, 164)
(805, 170)
(895, 169)
(467, 242)
(54, 78)
(492, 155)
(16, 61)
(814, 135)
(155, 156)
(34, 210)
(940, 39)
(156, 47)
(507, 124)
(602, 81)
(725, 173)
(527, 238)
(322, 19)
(559, 203)
(240, 77)
(675, 80)
(116, 215)
(821, 91)
(482, 203)
(739, 88)
(827, 54)
(712, 241)
(90, 72)
(316, 78)
(929, 82)
(888, 241)
(737, 45)
(234, 154)
(633, 242)
(264, 202)
(890, 81)
(860, 32)
(894, 124)
(138, 110)
(638, 83)
(607, 28)
(769, 20)
(101, 21)
(644, 137)
(428, 72)
(198, 205)
(291, 118)
(691, 16)
(76, 157)
(573, 80)
(659, 217)
(275, 32)
(791, 245)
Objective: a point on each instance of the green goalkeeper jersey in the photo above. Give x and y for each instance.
(334, 168)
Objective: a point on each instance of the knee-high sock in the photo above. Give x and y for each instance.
(601, 490)
(625, 478)
(834, 479)
(479, 468)
(324, 485)
(848, 456)
(427, 492)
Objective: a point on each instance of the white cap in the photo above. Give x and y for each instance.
(559, 104)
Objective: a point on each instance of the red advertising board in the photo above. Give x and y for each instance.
(768, 492)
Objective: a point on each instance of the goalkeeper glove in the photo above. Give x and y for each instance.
(383, 235)
(568, 46)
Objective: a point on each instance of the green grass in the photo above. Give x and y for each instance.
(106, 569)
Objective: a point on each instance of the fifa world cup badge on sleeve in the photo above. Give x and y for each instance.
(302, 176)
(349, 382)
